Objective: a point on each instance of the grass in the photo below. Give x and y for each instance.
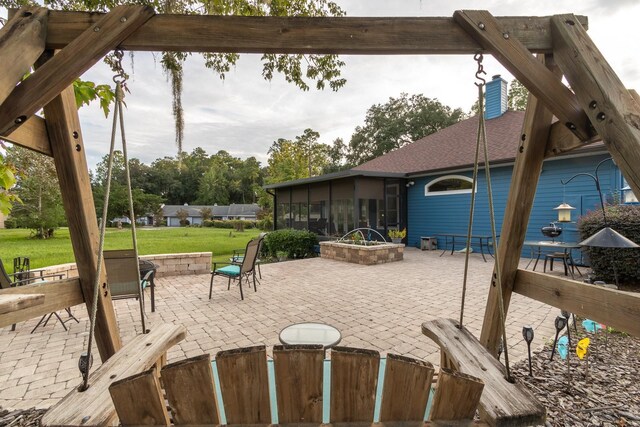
(58, 250)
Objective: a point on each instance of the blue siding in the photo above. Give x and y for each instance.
(431, 215)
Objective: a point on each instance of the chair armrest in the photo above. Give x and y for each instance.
(29, 280)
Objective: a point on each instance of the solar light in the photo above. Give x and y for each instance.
(527, 334)
(560, 323)
(564, 212)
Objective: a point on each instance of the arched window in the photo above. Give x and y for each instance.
(449, 184)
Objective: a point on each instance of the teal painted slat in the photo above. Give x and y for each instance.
(326, 392)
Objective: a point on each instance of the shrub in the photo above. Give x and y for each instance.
(625, 219)
(265, 224)
(295, 243)
(184, 222)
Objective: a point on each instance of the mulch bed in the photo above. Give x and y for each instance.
(607, 394)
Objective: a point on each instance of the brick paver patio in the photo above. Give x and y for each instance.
(379, 307)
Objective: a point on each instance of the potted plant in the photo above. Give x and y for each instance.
(397, 235)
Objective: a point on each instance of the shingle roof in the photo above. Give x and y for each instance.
(194, 210)
(453, 146)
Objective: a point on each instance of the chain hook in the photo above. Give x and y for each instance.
(478, 58)
(120, 76)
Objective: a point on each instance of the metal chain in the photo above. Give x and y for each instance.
(85, 365)
(120, 79)
(480, 85)
(482, 135)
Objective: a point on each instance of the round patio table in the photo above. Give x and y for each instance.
(310, 333)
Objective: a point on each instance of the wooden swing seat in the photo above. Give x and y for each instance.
(502, 403)
(138, 388)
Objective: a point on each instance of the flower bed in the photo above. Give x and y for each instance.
(360, 254)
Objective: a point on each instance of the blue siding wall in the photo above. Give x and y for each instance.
(431, 215)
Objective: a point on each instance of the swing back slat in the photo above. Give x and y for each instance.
(407, 384)
(354, 378)
(298, 377)
(190, 391)
(127, 392)
(244, 385)
(502, 403)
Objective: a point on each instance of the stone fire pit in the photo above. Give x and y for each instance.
(360, 254)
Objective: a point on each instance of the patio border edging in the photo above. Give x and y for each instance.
(177, 264)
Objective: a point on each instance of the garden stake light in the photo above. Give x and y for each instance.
(527, 334)
(560, 323)
(567, 316)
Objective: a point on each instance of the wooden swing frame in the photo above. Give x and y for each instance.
(598, 107)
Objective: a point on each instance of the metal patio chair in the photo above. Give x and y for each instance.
(244, 270)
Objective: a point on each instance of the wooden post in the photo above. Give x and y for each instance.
(21, 43)
(612, 110)
(63, 125)
(524, 182)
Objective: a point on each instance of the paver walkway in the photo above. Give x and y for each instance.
(378, 307)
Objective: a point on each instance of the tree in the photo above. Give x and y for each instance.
(397, 123)
(299, 69)
(518, 95)
(300, 158)
(38, 189)
(337, 155)
(7, 181)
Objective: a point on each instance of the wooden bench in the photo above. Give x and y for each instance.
(502, 403)
(140, 392)
(244, 386)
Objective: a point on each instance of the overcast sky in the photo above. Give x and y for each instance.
(244, 113)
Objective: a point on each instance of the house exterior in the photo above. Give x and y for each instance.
(425, 186)
(246, 212)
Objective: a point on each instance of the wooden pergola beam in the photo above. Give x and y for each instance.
(562, 140)
(344, 35)
(515, 57)
(611, 108)
(618, 309)
(21, 43)
(524, 182)
(32, 135)
(77, 57)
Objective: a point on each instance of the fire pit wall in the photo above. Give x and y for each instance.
(359, 254)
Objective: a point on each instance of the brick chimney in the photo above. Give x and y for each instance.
(495, 98)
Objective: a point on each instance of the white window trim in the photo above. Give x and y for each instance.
(427, 193)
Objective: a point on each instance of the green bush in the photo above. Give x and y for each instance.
(295, 243)
(237, 224)
(265, 224)
(625, 219)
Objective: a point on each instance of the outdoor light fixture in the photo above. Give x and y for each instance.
(527, 334)
(410, 183)
(564, 212)
(560, 323)
(628, 196)
(607, 237)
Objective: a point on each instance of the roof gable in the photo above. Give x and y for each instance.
(453, 146)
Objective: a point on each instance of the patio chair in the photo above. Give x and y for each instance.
(238, 255)
(242, 271)
(123, 273)
(23, 278)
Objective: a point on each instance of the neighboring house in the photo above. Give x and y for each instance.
(246, 212)
(425, 186)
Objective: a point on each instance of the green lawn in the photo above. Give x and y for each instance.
(42, 253)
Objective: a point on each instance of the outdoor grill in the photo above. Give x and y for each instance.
(551, 230)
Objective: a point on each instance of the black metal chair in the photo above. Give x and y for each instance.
(241, 271)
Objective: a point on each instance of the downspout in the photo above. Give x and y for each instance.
(275, 209)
